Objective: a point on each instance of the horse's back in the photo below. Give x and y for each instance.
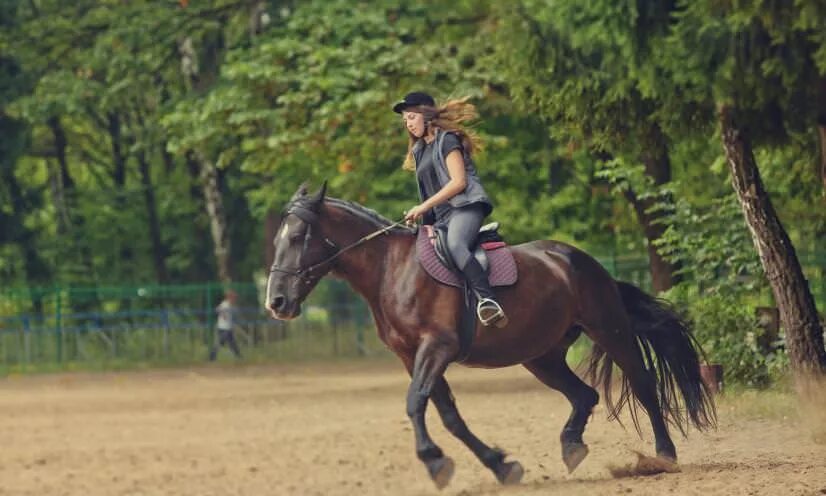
(571, 274)
(562, 256)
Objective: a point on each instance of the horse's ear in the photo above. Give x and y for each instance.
(319, 196)
(301, 191)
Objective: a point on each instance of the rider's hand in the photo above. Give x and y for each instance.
(414, 214)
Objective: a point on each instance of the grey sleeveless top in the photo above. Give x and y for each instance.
(432, 175)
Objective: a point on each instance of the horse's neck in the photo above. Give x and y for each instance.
(365, 267)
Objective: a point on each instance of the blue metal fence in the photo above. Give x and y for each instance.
(170, 324)
(59, 327)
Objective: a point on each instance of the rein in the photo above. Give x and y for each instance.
(310, 217)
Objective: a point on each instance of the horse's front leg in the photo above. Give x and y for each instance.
(493, 458)
(432, 357)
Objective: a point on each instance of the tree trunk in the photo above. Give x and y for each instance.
(60, 145)
(821, 129)
(200, 81)
(65, 201)
(168, 159)
(821, 132)
(158, 248)
(258, 18)
(217, 217)
(119, 159)
(798, 315)
(37, 272)
(60, 179)
(662, 272)
(203, 250)
(657, 166)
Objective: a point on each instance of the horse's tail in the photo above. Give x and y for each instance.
(670, 354)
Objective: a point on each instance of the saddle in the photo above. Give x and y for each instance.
(491, 251)
(488, 239)
(494, 256)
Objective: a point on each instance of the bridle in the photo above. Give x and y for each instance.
(310, 217)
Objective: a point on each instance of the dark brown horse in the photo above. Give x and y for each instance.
(560, 293)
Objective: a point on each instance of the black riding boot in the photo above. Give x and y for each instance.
(487, 309)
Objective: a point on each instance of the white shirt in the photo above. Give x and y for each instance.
(226, 315)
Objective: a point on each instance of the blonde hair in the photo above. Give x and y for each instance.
(450, 116)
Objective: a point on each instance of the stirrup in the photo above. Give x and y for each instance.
(491, 313)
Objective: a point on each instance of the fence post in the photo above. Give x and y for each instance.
(210, 338)
(58, 326)
(334, 322)
(360, 339)
(27, 348)
(165, 317)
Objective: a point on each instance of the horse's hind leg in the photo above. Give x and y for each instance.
(554, 372)
(609, 328)
(643, 385)
(494, 459)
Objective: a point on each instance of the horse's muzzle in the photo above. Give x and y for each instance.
(277, 303)
(282, 309)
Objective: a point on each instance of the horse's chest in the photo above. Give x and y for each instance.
(397, 338)
(396, 341)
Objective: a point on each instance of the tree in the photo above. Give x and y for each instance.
(759, 64)
(571, 62)
(20, 200)
(103, 75)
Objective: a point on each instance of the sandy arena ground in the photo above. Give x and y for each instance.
(341, 429)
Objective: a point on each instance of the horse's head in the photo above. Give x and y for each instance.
(300, 251)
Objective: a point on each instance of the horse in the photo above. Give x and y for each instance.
(561, 292)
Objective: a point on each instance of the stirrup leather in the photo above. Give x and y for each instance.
(491, 313)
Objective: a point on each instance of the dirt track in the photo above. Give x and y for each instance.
(342, 430)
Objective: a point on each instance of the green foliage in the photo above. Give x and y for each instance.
(730, 334)
(721, 287)
(713, 248)
(763, 57)
(104, 103)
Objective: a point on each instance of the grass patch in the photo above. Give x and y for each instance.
(775, 403)
(138, 349)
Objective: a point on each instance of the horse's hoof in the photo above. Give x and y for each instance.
(441, 470)
(573, 454)
(664, 462)
(510, 473)
(667, 452)
(668, 457)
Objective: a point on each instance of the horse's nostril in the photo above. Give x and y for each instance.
(277, 303)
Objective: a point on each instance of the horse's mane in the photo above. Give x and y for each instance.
(356, 209)
(364, 213)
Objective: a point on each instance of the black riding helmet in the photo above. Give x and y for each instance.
(414, 99)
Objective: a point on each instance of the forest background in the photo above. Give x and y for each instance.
(155, 142)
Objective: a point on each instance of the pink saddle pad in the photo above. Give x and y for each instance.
(502, 265)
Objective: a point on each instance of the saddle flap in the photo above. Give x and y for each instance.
(502, 270)
(440, 244)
